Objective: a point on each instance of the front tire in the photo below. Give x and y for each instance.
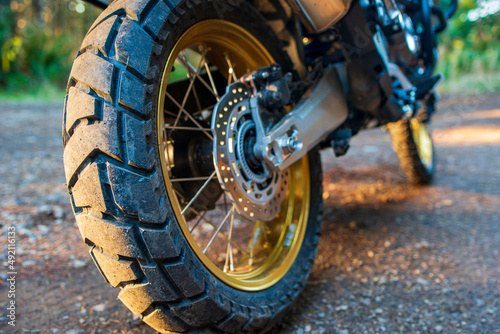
(121, 161)
(414, 148)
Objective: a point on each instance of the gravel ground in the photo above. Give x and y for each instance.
(392, 257)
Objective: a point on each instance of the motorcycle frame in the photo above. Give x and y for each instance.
(314, 119)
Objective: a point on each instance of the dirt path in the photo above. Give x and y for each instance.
(392, 258)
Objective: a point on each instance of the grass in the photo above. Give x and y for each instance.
(471, 84)
(45, 92)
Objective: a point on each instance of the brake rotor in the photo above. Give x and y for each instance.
(256, 191)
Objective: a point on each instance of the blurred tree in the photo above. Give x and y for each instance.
(39, 39)
(471, 43)
(7, 50)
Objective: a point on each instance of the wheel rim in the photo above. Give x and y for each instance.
(423, 142)
(246, 255)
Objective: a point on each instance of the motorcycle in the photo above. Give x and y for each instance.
(191, 135)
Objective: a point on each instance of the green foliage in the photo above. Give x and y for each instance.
(41, 57)
(36, 57)
(45, 55)
(38, 42)
(471, 48)
(8, 46)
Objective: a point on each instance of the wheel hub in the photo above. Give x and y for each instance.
(256, 191)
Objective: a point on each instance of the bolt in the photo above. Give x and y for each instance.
(292, 143)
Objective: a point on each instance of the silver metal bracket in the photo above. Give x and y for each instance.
(310, 122)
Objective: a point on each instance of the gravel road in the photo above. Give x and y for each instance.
(392, 257)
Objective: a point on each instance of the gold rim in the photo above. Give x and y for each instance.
(423, 141)
(246, 255)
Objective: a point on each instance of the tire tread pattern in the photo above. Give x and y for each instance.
(406, 150)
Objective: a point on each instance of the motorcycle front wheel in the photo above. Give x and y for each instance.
(140, 171)
(414, 148)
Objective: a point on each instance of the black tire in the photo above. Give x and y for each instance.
(114, 174)
(418, 165)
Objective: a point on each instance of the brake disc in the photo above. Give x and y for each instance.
(256, 191)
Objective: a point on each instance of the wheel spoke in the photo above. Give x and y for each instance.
(258, 229)
(189, 179)
(187, 128)
(214, 89)
(218, 229)
(209, 135)
(202, 216)
(209, 109)
(186, 95)
(198, 193)
(213, 225)
(191, 83)
(169, 113)
(194, 72)
(197, 100)
(229, 265)
(230, 70)
(225, 202)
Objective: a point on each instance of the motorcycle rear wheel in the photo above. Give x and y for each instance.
(135, 135)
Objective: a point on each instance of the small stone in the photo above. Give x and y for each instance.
(44, 210)
(365, 301)
(307, 329)
(370, 254)
(379, 310)
(43, 230)
(341, 308)
(28, 263)
(58, 212)
(353, 225)
(79, 263)
(27, 233)
(99, 308)
(422, 244)
(446, 202)
(72, 331)
(422, 281)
